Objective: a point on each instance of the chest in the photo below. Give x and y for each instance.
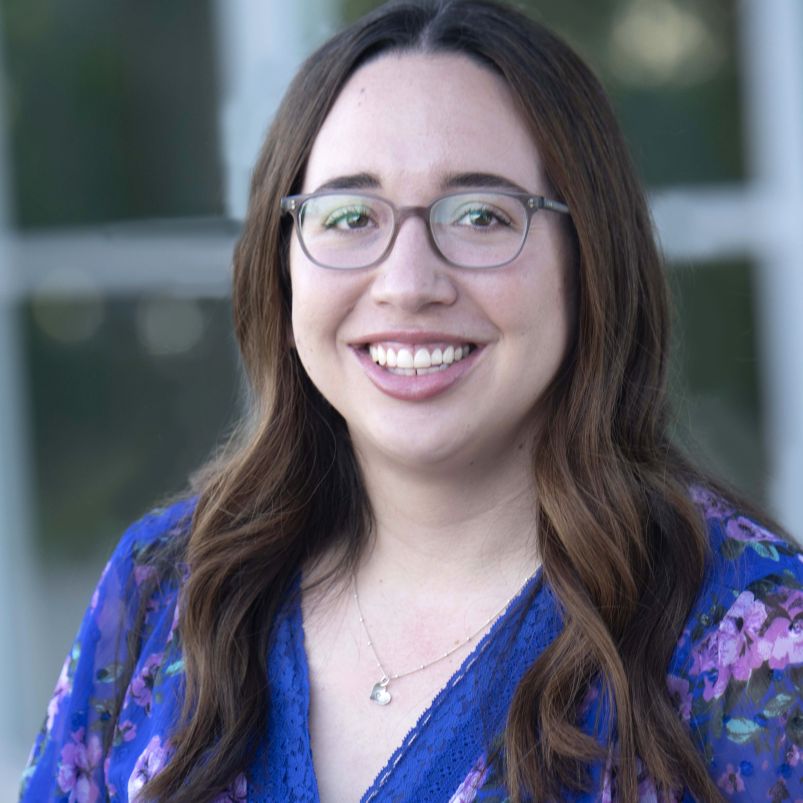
(353, 738)
(327, 740)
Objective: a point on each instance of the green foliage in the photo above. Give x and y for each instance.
(742, 730)
(108, 674)
(778, 705)
(112, 110)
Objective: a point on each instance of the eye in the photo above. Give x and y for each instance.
(480, 216)
(348, 218)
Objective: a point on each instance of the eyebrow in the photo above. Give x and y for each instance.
(355, 181)
(369, 181)
(483, 180)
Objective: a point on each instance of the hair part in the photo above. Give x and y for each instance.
(622, 545)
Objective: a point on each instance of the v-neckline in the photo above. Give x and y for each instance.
(531, 589)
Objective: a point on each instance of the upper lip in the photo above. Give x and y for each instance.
(413, 337)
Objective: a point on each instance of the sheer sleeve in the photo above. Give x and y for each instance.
(739, 685)
(67, 758)
(743, 695)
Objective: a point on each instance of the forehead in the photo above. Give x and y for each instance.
(412, 119)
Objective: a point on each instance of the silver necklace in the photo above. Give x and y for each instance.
(380, 693)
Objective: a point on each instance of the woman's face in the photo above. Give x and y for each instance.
(411, 127)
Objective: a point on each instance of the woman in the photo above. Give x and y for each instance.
(457, 476)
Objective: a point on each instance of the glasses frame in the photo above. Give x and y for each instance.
(292, 205)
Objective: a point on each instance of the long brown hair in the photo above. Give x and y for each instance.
(623, 547)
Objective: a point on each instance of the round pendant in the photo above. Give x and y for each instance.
(380, 694)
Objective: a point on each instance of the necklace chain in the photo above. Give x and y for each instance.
(380, 693)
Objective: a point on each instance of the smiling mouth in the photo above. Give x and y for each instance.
(417, 360)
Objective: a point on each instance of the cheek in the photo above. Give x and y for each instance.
(542, 330)
(307, 306)
(322, 301)
(536, 309)
(306, 314)
(312, 333)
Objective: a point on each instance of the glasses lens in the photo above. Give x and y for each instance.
(479, 229)
(343, 230)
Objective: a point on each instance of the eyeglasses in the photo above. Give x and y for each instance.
(474, 229)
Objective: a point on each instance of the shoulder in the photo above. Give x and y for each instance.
(745, 555)
(754, 579)
(161, 527)
(150, 546)
(737, 674)
(140, 586)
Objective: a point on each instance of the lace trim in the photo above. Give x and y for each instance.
(463, 721)
(454, 729)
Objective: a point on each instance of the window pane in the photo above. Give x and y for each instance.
(671, 67)
(715, 377)
(112, 110)
(128, 397)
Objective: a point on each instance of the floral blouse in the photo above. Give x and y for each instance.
(736, 679)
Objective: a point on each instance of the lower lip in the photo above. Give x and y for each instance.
(415, 387)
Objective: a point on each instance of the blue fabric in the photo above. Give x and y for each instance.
(462, 720)
(735, 680)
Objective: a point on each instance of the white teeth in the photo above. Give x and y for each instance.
(404, 359)
(409, 361)
(422, 359)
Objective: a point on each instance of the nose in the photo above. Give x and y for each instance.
(413, 275)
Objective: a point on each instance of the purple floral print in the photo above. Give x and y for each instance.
(142, 685)
(236, 793)
(680, 694)
(729, 652)
(77, 768)
(714, 506)
(782, 642)
(110, 787)
(143, 573)
(174, 623)
(740, 528)
(63, 688)
(467, 790)
(151, 761)
(731, 780)
(96, 595)
(736, 680)
(647, 792)
(751, 634)
(126, 731)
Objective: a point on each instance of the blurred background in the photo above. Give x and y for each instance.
(127, 133)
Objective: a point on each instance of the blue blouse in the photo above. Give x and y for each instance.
(735, 679)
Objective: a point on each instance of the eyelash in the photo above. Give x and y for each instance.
(342, 215)
(497, 215)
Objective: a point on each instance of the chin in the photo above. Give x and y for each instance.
(410, 453)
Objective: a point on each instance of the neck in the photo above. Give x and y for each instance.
(438, 531)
